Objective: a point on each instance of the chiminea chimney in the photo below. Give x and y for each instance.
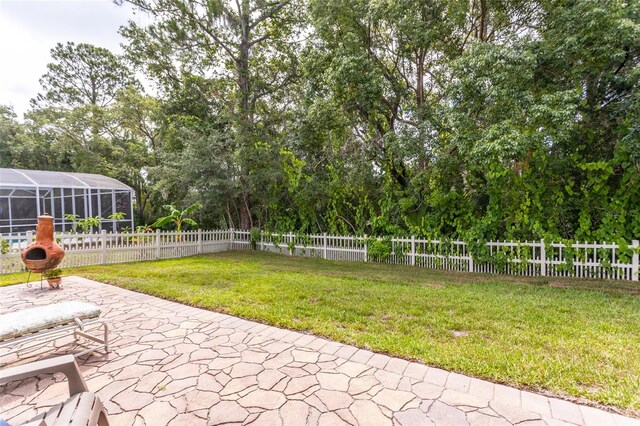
(44, 253)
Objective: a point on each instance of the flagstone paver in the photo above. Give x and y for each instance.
(333, 381)
(173, 364)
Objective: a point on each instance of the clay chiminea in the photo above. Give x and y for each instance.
(44, 253)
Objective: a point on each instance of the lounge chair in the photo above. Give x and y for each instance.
(82, 408)
(33, 327)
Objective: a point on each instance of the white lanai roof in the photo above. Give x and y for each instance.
(40, 178)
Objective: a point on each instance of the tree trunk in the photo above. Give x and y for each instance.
(246, 222)
(483, 20)
(420, 99)
(244, 113)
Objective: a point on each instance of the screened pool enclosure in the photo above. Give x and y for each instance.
(26, 194)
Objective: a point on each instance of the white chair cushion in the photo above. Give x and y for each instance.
(15, 324)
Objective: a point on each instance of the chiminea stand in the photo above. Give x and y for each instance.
(29, 284)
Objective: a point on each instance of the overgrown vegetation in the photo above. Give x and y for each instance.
(577, 338)
(477, 120)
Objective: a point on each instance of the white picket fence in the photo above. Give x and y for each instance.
(537, 258)
(104, 248)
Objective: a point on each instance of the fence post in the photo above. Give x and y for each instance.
(324, 248)
(470, 255)
(29, 238)
(157, 244)
(262, 240)
(199, 241)
(543, 259)
(103, 242)
(413, 250)
(366, 249)
(232, 237)
(635, 260)
(290, 238)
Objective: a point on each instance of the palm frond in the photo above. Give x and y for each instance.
(190, 222)
(162, 222)
(191, 208)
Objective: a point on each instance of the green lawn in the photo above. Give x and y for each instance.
(568, 337)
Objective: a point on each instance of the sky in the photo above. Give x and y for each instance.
(30, 28)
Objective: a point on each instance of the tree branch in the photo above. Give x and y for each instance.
(268, 14)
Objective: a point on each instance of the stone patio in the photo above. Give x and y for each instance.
(178, 365)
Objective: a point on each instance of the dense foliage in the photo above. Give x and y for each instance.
(481, 119)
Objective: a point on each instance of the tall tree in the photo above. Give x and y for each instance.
(92, 117)
(81, 82)
(247, 45)
(10, 134)
(82, 74)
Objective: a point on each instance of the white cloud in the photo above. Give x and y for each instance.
(29, 29)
